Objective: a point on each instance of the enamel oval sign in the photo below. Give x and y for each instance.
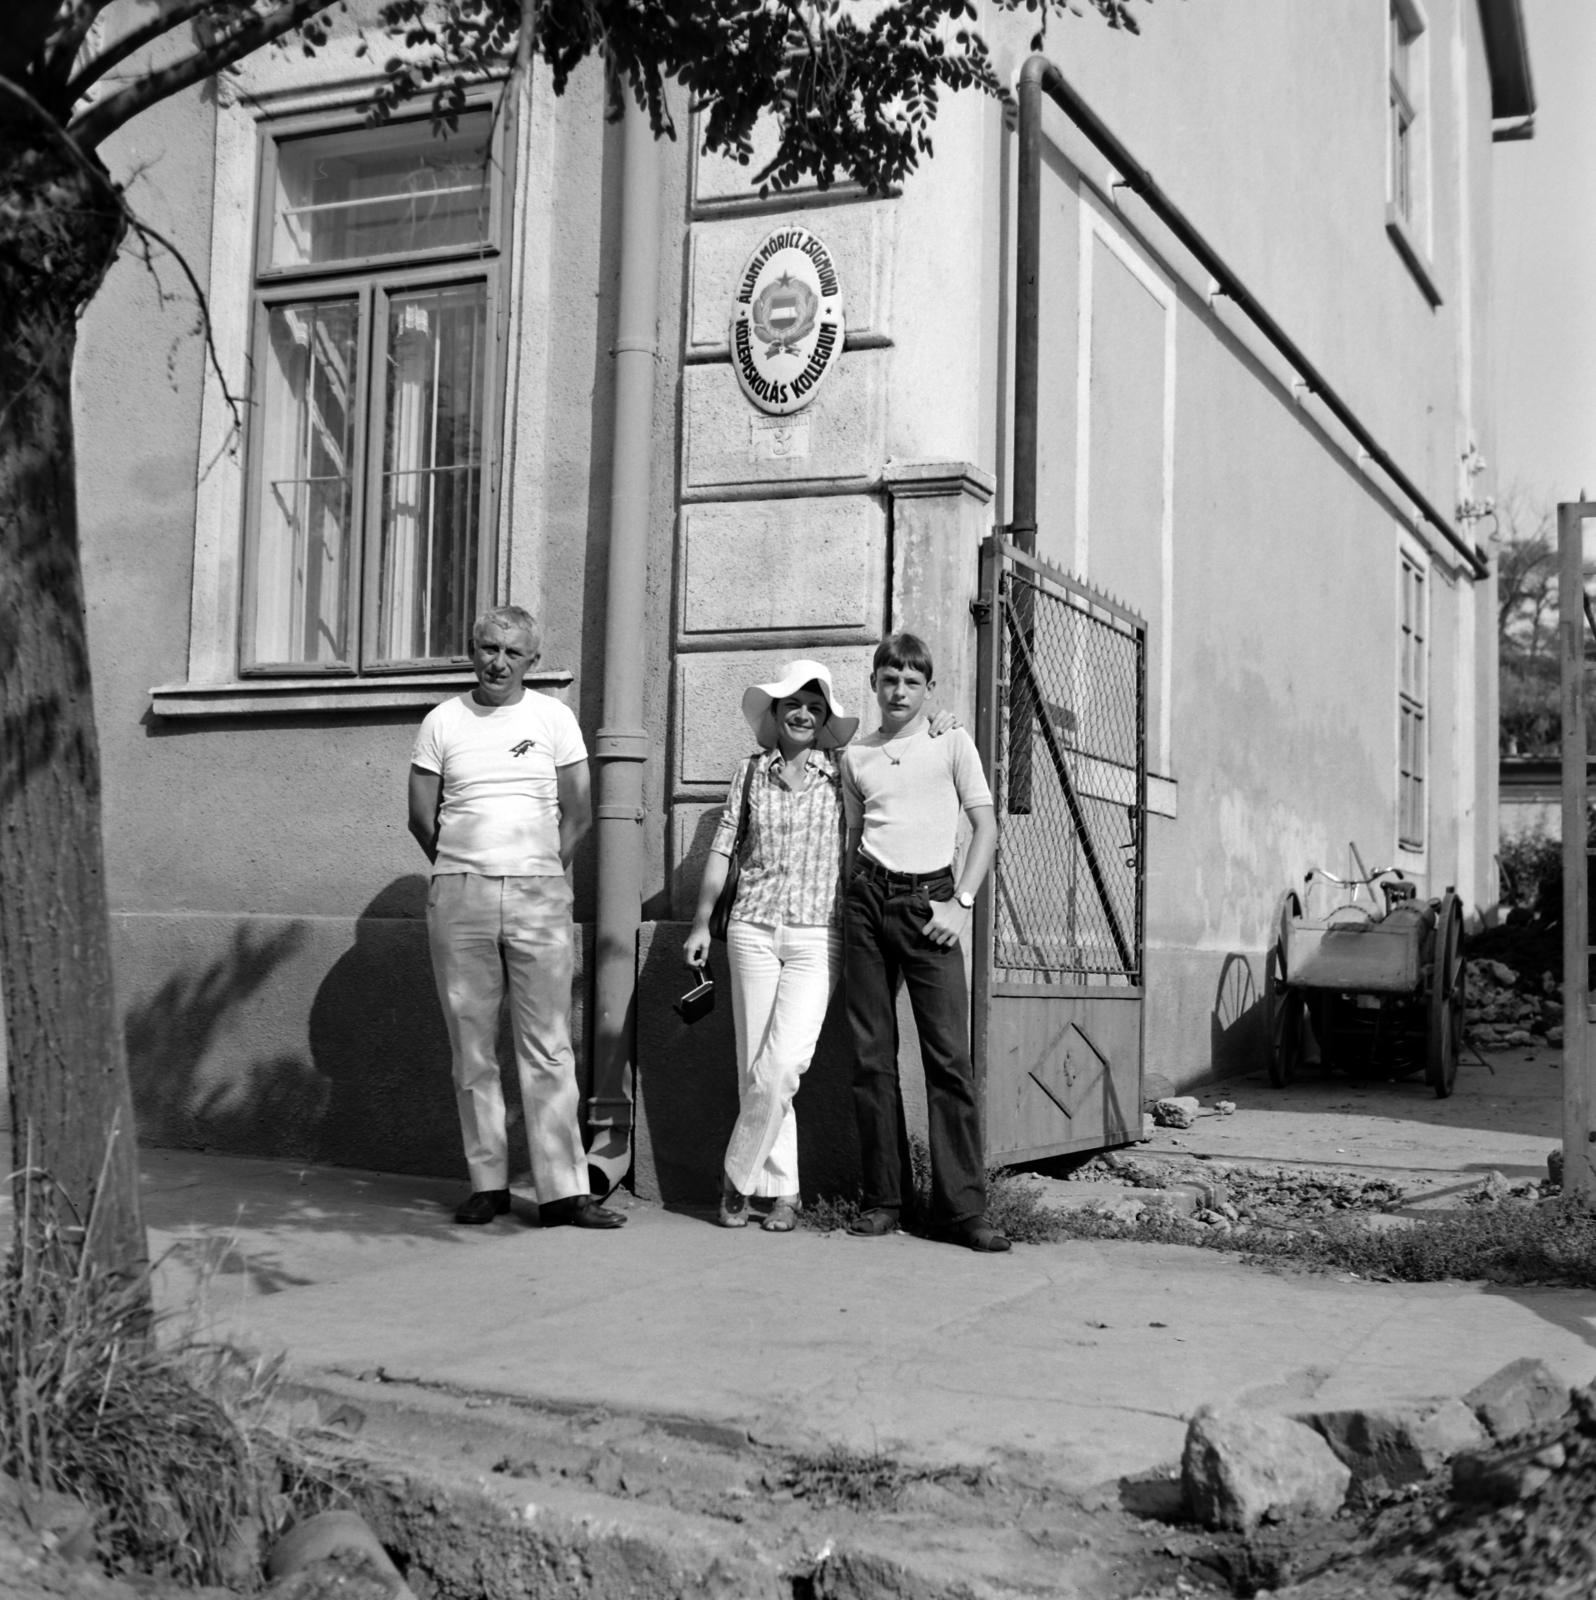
(786, 328)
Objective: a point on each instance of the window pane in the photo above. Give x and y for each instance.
(306, 440)
(381, 191)
(431, 472)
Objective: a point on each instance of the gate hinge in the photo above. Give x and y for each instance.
(981, 610)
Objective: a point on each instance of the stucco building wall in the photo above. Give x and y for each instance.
(270, 946)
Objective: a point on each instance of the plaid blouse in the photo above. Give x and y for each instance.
(792, 853)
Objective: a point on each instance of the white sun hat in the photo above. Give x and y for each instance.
(758, 700)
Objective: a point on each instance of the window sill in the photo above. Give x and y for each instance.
(1408, 248)
(309, 697)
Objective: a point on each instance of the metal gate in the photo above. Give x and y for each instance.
(1057, 975)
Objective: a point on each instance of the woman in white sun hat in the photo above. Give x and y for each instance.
(784, 936)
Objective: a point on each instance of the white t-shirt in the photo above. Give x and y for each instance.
(905, 795)
(500, 816)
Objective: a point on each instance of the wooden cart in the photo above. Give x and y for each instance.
(1380, 985)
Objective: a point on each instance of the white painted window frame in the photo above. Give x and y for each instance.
(213, 685)
(1413, 857)
(1095, 225)
(1410, 226)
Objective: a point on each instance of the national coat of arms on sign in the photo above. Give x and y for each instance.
(783, 312)
(786, 326)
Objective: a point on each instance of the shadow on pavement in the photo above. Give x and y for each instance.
(1572, 1310)
(1521, 1092)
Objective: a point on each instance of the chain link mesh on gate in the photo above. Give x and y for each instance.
(1067, 883)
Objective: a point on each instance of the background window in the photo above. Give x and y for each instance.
(374, 387)
(1410, 709)
(1403, 110)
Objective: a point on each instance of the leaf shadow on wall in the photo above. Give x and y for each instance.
(371, 1090)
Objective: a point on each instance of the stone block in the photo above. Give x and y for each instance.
(839, 437)
(1184, 1199)
(1240, 1467)
(860, 241)
(1524, 1394)
(1387, 1446)
(712, 736)
(772, 565)
(1176, 1111)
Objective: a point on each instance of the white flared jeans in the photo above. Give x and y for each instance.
(781, 982)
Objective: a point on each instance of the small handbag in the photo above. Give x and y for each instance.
(720, 917)
(698, 1002)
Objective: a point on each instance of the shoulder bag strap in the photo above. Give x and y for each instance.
(742, 818)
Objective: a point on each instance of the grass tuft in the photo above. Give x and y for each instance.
(873, 1482)
(165, 1443)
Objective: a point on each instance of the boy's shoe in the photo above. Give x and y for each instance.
(974, 1234)
(483, 1206)
(873, 1224)
(783, 1214)
(578, 1211)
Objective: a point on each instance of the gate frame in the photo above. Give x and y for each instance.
(1574, 618)
(998, 556)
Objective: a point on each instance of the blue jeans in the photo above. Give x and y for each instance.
(884, 948)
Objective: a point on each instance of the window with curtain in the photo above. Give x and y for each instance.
(1413, 671)
(368, 547)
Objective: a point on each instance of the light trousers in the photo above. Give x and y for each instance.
(781, 982)
(482, 932)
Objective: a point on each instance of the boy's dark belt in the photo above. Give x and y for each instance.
(903, 880)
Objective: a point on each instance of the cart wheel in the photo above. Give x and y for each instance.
(1284, 1006)
(1444, 1043)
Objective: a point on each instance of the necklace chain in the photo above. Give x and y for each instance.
(896, 761)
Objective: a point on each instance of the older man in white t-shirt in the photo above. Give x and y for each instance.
(499, 799)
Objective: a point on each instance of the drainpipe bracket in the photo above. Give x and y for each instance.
(621, 744)
(619, 813)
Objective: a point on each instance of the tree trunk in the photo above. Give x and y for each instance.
(71, 1109)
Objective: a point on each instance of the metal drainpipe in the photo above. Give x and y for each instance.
(1027, 308)
(623, 745)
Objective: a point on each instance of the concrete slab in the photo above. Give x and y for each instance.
(1505, 1115)
(1085, 1356)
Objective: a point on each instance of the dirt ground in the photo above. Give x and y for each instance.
(490, 1496)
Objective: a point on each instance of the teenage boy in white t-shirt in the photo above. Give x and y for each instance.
(905, 914)
(499, 800)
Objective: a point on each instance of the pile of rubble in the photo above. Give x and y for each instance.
(1231, 1198)
(1490, 1495)
(1506, 1008)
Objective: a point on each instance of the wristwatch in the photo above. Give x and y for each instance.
(965, 899)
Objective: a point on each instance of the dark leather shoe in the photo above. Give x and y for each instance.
(483, 1206)
(974, 1234)
(579, 1211)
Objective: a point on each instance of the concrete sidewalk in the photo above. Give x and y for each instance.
(1086, 1357)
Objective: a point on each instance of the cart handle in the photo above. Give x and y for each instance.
(1352, 883)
